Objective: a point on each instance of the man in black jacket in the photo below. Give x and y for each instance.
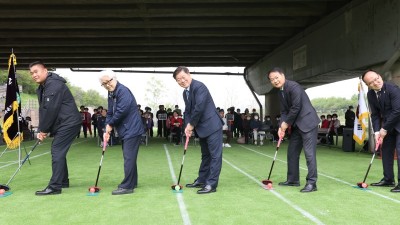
(58, 115)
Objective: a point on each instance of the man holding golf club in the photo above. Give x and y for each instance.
(58, 115)
(297, 112)
(201, 115)
(125, 119)
(384, 103)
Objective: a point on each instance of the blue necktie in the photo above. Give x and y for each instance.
(187, 94)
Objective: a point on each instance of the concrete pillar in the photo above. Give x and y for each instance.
(272, 105)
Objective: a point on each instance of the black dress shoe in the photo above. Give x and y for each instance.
(287, 183)
(195, 184)
(383, 183)
(309, 188)
(206, 190)
(122, 191)
(48, 191)
(396, 189)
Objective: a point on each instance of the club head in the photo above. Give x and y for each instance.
(266, 182)
(96, 189)
(5, 187)
(362, 185)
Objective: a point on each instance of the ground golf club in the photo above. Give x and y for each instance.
(97, 189)
(5, 186)
(178, 187)
(268, 181)
(363, 184)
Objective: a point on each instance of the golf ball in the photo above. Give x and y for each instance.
(269, 186)
(364, 185)
(177, 188)
(91, 190)
(2, 191)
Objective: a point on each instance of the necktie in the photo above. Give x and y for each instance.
(187, 94)
(378, 95)
(283, 94)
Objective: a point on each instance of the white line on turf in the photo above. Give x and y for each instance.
(327, 176)
(179, 197)
(16, 162)
(291, 204)
(32, 157)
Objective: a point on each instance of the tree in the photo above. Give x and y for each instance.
(89, 98)
(154, 93)
(334, 104)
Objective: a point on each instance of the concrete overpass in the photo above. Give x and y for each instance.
(361, 35)
(315, 41)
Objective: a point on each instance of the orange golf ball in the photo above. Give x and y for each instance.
(269, 186)
(92, 190)
(2, 191)
(364, 185)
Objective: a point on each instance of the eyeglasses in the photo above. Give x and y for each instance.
(374, 80)
(180, 78)
(106, 83)
(274, 79)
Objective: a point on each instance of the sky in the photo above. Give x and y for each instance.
(226, 90)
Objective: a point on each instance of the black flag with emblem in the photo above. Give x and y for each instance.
(12, 111)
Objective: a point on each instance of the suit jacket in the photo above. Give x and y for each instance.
(387, 109)
(200, 110)
(123, 114)
(296, 108)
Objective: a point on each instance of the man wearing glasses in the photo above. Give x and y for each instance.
(125, 119)
(297, 112)
(384, 103)
(58, 115)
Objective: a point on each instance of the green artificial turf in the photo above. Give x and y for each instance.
(239, 199)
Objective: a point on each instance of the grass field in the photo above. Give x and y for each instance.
(240, 198)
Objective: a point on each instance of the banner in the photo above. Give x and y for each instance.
(361, 120)
(12, 109)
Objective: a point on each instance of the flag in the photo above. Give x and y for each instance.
(12, 111)
(361, 120)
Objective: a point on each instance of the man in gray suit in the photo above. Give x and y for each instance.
(201, 115)
(384, 103)
(297, 112)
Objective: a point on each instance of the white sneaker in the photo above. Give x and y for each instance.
(228, 145)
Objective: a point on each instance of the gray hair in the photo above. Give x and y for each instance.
(108, 73)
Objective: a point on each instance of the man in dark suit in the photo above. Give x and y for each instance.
(201, 115)
(384, 103)
(297, 112)
(59, 116)
(124, 118)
